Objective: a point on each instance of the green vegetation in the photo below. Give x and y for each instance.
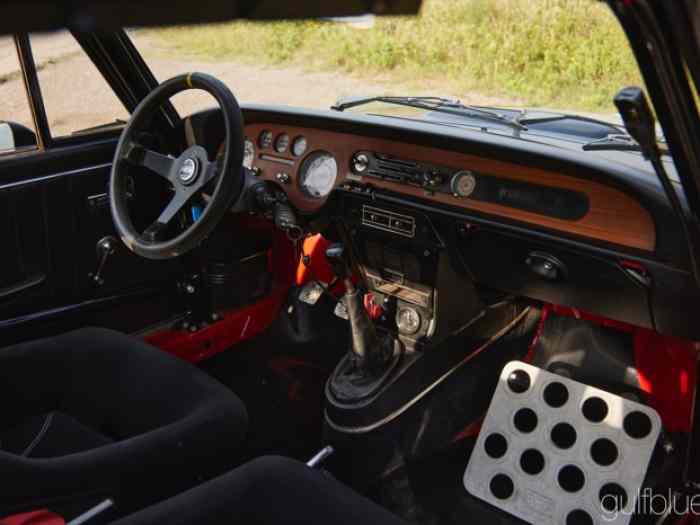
(551, 53)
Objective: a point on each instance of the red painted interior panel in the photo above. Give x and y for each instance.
(238, 324)
(37, 517)
(666, 367)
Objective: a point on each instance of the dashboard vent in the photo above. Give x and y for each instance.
(392, 169)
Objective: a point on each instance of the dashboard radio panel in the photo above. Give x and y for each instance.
(560, 203)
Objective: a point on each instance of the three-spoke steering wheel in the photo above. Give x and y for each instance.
(188, 173)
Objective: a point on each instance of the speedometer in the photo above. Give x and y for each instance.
(318, 174)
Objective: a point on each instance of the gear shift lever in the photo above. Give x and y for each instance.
(335, 254)
(370, 353)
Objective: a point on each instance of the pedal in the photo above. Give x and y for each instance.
(341, 310)
(552, 450)
(311, 293)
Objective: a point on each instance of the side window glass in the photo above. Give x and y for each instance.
(77, 98)
(16, 121)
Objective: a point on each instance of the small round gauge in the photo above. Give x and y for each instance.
(265, 140)
(248, 153)
(463, 184)
(299, 146)
(408, 320)
(282, 143)
(317, 174)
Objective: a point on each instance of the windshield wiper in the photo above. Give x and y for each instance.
(617, 142)
(439, 104)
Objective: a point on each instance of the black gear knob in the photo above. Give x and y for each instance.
(337, 258)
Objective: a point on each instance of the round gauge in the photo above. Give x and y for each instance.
(282, 143)
(408, 320)
(248, 153)
(463, 184)
(265, 139)
(317, 174)
(299, 146)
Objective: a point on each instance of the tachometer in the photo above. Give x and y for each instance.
(318, 174)
(248, 153)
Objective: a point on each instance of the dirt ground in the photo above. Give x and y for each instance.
(76, 97)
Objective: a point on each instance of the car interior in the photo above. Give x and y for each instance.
(268, 314)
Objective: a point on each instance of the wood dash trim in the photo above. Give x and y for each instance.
(614, 216)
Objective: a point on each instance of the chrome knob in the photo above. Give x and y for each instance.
(360, 163)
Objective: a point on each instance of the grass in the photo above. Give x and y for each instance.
(551, 53)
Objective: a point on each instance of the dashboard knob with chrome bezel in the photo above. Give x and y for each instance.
(360, 162)
(408, 320)
(463, 184)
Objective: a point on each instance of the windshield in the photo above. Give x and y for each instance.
(567, 55)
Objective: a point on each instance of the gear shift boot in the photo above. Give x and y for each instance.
(372, 357)
(350, 383)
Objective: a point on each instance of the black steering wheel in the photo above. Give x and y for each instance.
(187, 174)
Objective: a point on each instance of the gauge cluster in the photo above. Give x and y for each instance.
(291, 158)
(282, 143)
(268, 142)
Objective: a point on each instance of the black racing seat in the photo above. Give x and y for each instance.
(267, 491)
(95, 414)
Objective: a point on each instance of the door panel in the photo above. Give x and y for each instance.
(50, 224)
(25, 257)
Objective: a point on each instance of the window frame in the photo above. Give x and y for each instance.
(45, 140)
(39, 146)
(34, 88)
(31, 87)
(120, 64)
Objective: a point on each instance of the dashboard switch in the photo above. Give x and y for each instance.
(374, 310)
(283, 178)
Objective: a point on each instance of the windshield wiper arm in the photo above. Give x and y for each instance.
(617, 142)
(351, 102)
(439, 104)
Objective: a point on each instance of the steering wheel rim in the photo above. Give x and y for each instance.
(188, 173)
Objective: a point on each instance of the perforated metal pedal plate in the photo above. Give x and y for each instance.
(556, 451)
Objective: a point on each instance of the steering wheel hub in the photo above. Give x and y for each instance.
(189, 169)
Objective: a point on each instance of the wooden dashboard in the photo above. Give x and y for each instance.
(612, 216)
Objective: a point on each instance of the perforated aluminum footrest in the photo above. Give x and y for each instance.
(556, 451)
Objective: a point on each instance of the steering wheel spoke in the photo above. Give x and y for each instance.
(158, 163)
(210, 171)
(176, 204)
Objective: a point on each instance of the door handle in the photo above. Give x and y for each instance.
(546, 266)
(30, 282)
